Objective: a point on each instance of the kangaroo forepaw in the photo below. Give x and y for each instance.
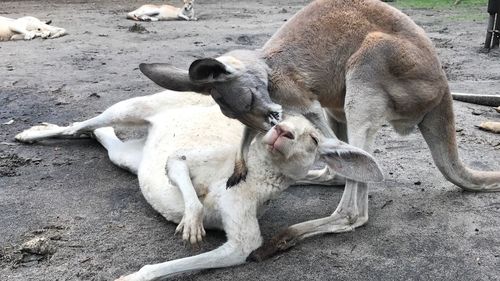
(235, 179)
(239, 174)
(191, 227)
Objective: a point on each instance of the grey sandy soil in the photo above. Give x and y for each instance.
(421, 226)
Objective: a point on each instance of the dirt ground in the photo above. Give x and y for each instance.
(100, 227)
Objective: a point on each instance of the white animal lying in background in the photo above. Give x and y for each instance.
(490, 126)
(27, 28)
(188, 135)
(151, 12)
(482, 99)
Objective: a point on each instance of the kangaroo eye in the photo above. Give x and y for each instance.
(39, 29)
(315, 140)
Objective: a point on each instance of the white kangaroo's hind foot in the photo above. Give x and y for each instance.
(47, 130)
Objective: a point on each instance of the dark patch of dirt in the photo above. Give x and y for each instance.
(10, 162)
(138, 28)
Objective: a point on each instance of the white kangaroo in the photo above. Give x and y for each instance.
(27, 28)
(151, 12)
(196, 144)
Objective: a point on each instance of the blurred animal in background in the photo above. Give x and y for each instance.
(488, 100)
(151, 12)
(27, 28)
(490, 126)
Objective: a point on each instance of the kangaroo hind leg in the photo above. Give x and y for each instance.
(126, 155)
(363, 122)
(133, 111)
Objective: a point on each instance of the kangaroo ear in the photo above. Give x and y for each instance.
(170, 77)
(210, 70)
(349, 161)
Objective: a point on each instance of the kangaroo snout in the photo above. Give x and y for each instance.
(284, 130)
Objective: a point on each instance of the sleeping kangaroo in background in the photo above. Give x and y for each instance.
(151, 12)
(489, 100)
(363, 61)
(27, 28)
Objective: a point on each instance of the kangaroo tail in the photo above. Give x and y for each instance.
(438, 129)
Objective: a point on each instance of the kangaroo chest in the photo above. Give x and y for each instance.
(297, 90)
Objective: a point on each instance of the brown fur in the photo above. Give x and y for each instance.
(348, 41)
(281, 242)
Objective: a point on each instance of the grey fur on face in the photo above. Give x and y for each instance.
(246, 97)
(238, 82)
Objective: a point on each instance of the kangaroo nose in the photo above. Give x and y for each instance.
(283, 131)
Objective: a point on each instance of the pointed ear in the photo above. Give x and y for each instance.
(349, 161)
(170, 77)
(210, 70)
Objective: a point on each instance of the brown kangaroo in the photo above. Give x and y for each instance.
(365, 63)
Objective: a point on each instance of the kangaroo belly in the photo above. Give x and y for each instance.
(168, 12)
(5, 32)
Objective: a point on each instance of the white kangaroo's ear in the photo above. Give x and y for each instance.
(349, 161)
(210, 70)
(171, 78)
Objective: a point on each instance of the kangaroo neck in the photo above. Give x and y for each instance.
(264, 179)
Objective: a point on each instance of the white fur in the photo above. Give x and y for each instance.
(27, 28)
(168, 130)
(196, 144)
(150, 12)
